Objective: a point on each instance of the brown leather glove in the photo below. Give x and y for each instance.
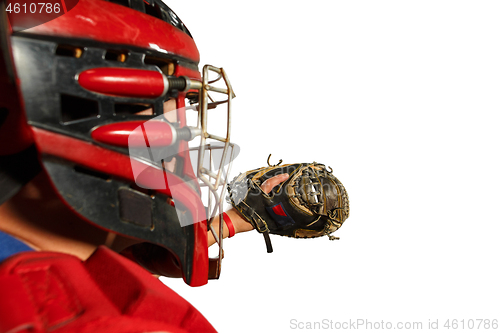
(310, 203)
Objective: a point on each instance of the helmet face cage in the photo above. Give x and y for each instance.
(85, 90)
(211, 155)
(214, 175)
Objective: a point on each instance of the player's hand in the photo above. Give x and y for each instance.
(271, 183)
(241, 225)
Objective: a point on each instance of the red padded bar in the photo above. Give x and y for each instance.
(136, 133)
(124, 82)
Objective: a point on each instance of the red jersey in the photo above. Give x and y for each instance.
(47, 291)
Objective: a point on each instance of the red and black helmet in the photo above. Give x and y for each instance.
(83, 97)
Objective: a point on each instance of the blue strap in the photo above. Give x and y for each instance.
(10, 246)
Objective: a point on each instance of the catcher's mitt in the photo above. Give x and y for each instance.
(310, 203)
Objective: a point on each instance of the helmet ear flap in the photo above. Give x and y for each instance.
(115, 204)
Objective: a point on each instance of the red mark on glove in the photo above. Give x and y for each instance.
(278, 210)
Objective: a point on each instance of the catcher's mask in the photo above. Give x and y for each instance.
(85, 97)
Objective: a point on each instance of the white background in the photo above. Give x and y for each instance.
(401, 99)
